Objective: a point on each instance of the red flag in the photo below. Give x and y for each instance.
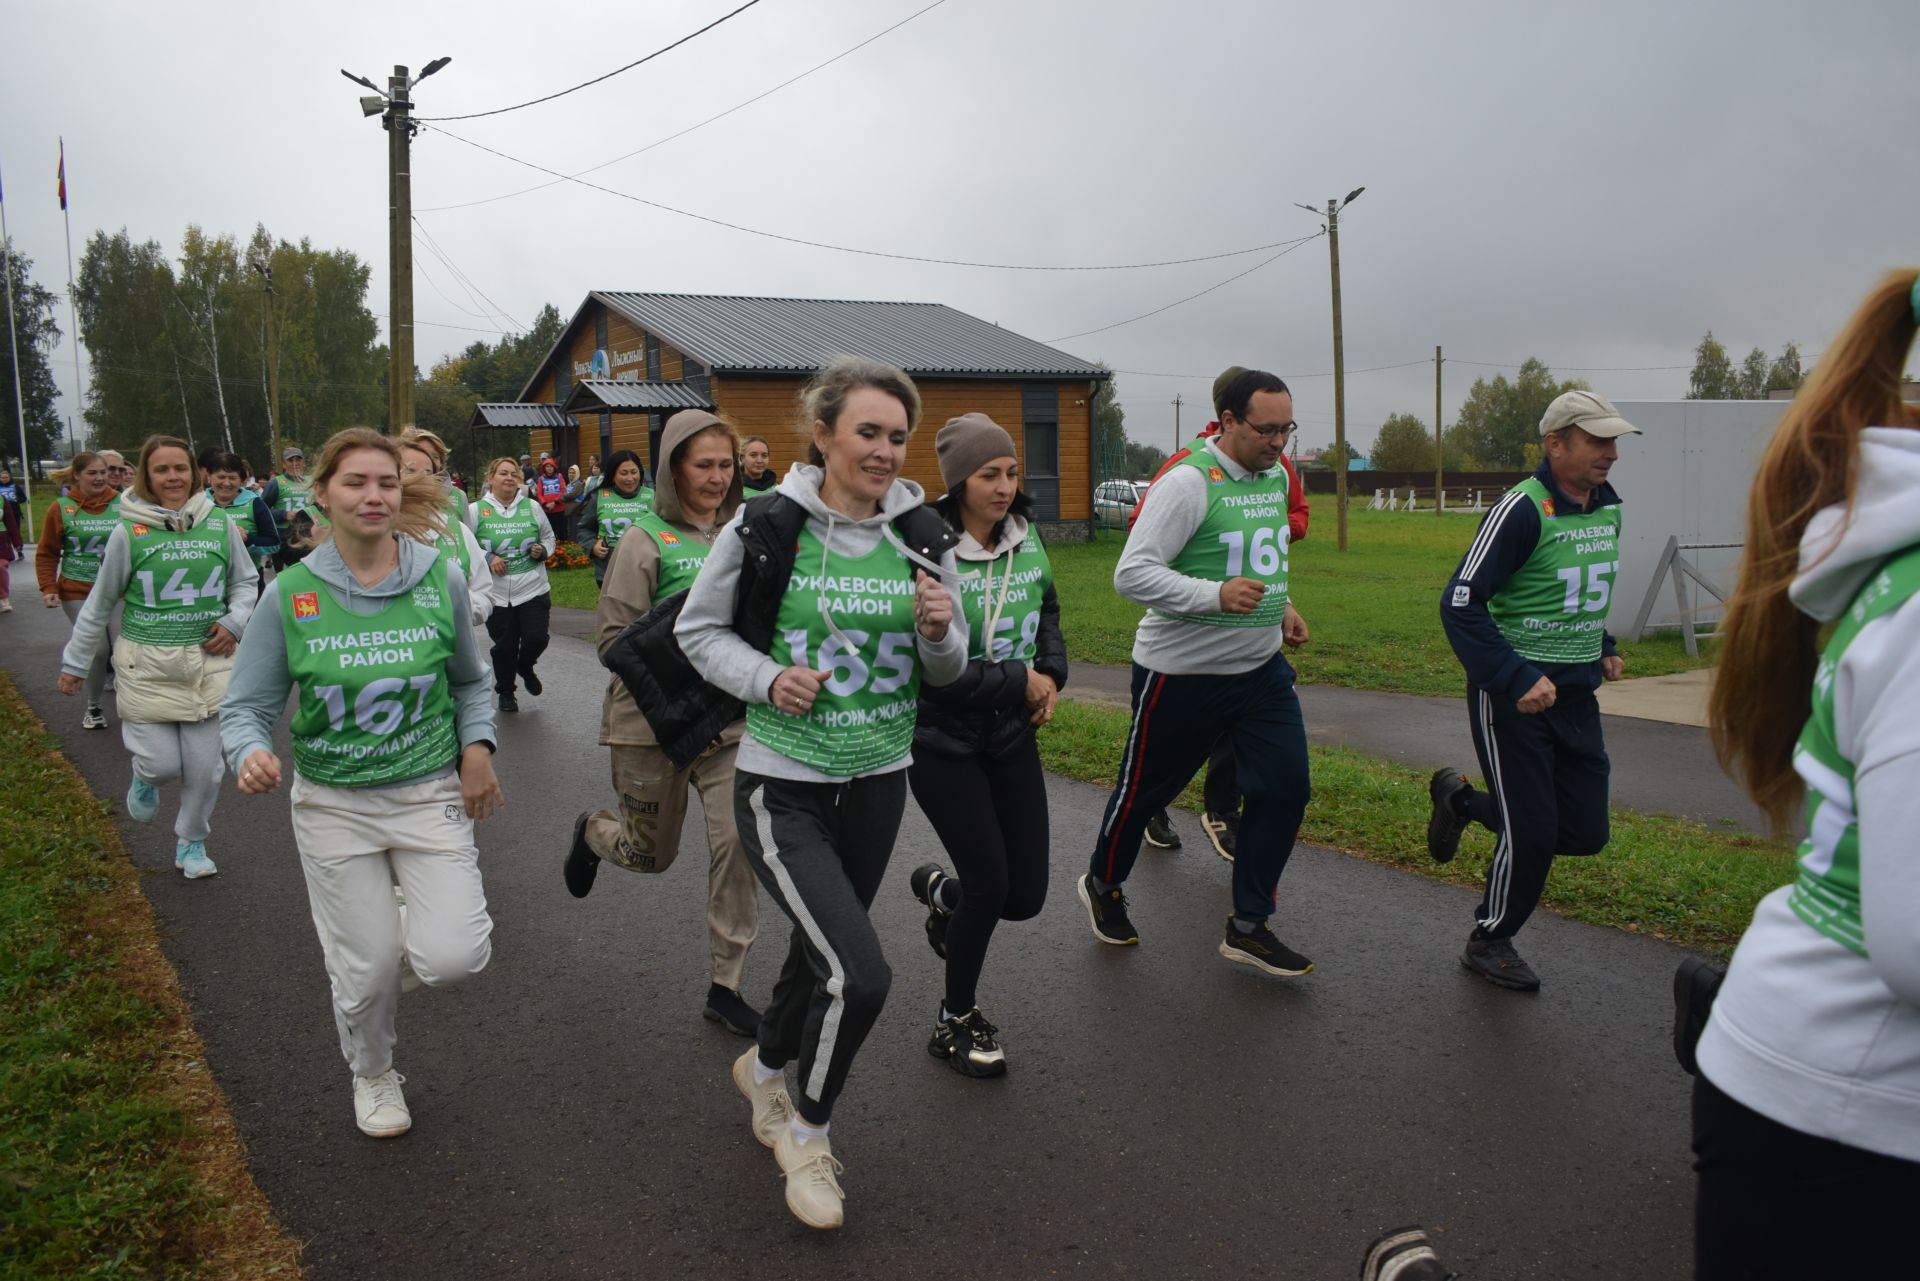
(63, 175)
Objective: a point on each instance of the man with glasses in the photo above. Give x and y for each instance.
(119, 470)
(1208, 558)
(1221, 791)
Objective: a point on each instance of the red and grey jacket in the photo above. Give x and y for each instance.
(550, 489)
(1297, 510)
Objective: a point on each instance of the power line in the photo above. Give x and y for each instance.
(475, 115)
(866, 253)
(1584, 369)
(1371, 369)
(465, 281)
(542, 186)
(1291, 246)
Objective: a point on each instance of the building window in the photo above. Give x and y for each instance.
(1040, 410)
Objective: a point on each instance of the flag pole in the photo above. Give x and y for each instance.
(13, 344)
(73, 317)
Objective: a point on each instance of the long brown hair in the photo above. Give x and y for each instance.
(1768, 648)
(423, 499)
(75, 465)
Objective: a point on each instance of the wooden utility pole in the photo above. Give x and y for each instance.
(272, 364)
(1176, 424)
(1439, 436)
(1339, 377)
(398, 123)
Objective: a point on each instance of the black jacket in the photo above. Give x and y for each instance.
(984, 712)
(686, 712)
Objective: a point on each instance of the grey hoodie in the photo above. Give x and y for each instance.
(706, 635)
(1806, 1031)
(257, 692)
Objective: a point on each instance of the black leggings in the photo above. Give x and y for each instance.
(1775, 1203)
(520, 636)
(991, 814)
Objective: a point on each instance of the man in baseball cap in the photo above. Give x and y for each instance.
(1526, 614)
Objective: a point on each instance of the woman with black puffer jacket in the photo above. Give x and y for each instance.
(976, 765)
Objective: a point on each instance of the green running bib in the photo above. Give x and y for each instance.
(83, 538)
(1025, 574)
(681, 555)
(1243, 535)
(508, 537)
(865, 714)
(1554, 608)
(375, 706)
(177, 582)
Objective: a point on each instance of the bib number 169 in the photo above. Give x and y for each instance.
(1266, 551)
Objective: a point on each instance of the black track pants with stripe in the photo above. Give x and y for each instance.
(1177, 720)
(1546, 794)
(821, 849)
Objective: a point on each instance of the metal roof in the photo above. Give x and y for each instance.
(520, 416)
(593, 394)
(732, 334)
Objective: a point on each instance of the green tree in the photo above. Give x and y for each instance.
(1751, 382)
(35, 333)
(1324, 456)
(1143, 462)
(1500, 418)
(1713, 376)
(1403, 443)
(1784, 374)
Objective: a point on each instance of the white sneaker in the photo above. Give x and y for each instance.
(379, 1107)
(94, 719)
(772, 1108)
(6, 605)
(813, 1193)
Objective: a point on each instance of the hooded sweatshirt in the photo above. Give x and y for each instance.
(53, 537)
(633, 577)
(161, 684)
(706, 635)
(1807, 1031)
(257, 694)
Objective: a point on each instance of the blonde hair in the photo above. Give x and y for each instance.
(148, 448)
(423, 502)
(486, 477)
(77, 464)
(426, 442)
(824, 398)
(1768, 648)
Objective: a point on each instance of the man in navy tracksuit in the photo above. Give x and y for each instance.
(1526, 614)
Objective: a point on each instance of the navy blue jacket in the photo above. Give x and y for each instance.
(1507, 537)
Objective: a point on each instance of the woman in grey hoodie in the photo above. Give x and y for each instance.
(392, 749)
(846, 622)
(1806, 1116)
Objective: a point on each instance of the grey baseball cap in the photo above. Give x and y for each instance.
(1589, 411)
(290, 453)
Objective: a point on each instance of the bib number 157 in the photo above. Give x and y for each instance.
(1588, 590)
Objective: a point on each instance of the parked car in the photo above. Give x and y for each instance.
(1114, 501)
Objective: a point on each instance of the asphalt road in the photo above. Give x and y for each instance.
(1167, 1114)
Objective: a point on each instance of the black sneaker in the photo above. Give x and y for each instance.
(726, 1007)
(926, 881)
(967, 1043)
(1405, 1254)
(1108, 912)
(508, 703)
(1259, 948)
(531, 681)
(1223, 830)
(1449, 790)
(1495, 961)
(582, 863)
(1160, 833)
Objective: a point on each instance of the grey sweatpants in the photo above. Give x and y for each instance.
(102, 661)
(821, 850)
(168, 751)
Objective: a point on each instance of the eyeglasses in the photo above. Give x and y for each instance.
(1282, 430)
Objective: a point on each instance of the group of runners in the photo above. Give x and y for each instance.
(806, 656)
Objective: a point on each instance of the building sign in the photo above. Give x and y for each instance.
(621, 366)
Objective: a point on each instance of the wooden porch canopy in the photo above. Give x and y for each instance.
(607, 395)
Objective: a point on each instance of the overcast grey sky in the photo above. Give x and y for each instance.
(1592, 184)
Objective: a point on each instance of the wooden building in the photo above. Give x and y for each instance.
(627, 361)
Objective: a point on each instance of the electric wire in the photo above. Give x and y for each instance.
(497, 111)
(1291, 246)
(866, 253)
(658, 142)
(465, 281)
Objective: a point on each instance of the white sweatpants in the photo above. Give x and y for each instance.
(170, 751)
(355, 843)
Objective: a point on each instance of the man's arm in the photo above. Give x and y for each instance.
(1144, 575)
(1506, 538)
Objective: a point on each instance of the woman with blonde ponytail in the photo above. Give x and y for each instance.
(392, 748)
(1807, 1111)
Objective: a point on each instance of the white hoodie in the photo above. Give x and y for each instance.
(1805, 1031)
(706, 635)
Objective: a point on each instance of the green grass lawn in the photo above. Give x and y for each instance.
(573, 588)
(1374, 610)
(117, 1156)
(1667, 877)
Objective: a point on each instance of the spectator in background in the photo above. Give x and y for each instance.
(549, 489)
(756, 476)
(287, 497)
(526, 469)
(1221, 792)
(119, 470)
(612, 508)
(593, 478)
(11, 546)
